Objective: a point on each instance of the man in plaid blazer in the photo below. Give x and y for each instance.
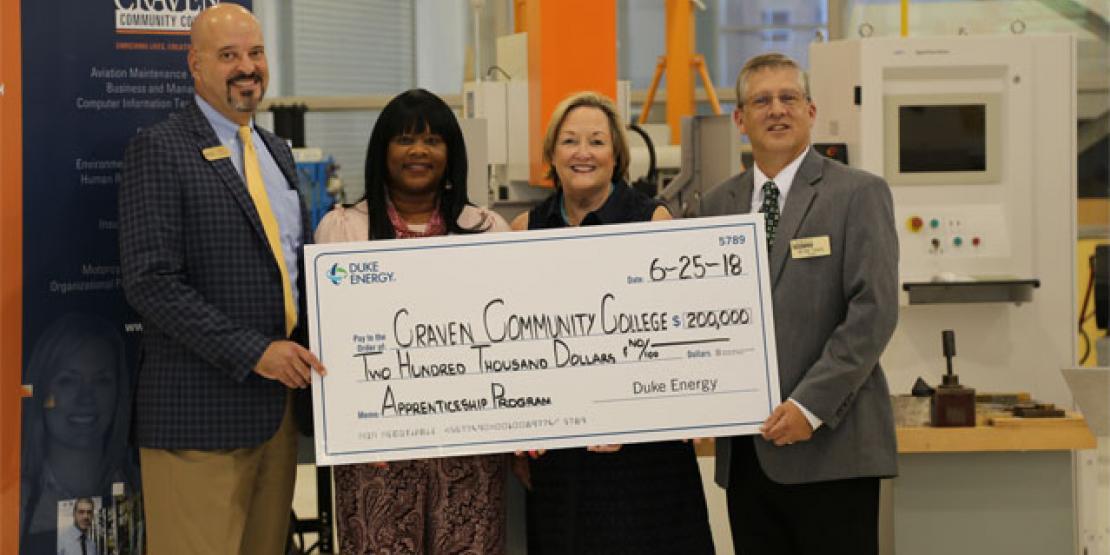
(217, 366)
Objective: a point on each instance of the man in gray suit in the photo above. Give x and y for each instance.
(810, 484)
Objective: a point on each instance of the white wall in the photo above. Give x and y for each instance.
(442, 37)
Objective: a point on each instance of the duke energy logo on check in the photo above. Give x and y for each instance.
(359, 273)
(336, 274)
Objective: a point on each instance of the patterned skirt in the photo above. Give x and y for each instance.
(436, 506)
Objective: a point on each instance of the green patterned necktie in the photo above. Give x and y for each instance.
(770, 210)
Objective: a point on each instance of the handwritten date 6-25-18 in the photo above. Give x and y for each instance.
(696, 266)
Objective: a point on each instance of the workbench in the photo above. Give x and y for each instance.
(1004, 488)
(1000, 488)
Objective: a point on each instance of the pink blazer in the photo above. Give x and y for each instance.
(353, 224)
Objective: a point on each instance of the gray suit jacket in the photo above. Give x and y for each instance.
(833, 317)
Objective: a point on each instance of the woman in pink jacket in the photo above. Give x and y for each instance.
(416, 187)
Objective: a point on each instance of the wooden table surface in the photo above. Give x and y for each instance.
(1003, 434)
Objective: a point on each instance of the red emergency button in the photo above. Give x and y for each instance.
(975, 241)
(916, 223)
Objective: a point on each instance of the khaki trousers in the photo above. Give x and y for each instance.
(230, 501)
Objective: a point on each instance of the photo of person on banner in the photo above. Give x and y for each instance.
(77, 537)
(75, 424)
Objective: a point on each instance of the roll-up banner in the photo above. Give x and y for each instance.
(93, 73)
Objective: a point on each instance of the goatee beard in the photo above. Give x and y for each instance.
(243, 104)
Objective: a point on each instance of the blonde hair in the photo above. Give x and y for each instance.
(587, 99)
(771, 60)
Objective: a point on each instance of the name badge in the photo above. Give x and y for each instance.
(810, 247)
(214, 153)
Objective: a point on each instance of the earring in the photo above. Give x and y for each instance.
(447, 186)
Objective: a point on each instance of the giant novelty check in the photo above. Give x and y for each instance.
(558, 338)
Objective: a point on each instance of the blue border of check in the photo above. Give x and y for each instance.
(394, 246)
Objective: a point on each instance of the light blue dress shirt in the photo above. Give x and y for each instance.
(284, 199)
(69, 542)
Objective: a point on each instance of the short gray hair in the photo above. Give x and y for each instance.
(770, 60)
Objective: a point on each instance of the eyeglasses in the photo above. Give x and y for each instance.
(788, 99)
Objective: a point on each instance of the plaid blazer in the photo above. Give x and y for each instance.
(198, 269)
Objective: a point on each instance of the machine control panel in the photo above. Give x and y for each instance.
(953, 231)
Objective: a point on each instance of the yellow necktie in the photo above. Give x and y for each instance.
(257, 189)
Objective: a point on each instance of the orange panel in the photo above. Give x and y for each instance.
(520, 8)
(572, 46)
(680, 75)
(11, 268)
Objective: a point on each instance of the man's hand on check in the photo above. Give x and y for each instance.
(609, 448)
(786, 425)
(289, 363)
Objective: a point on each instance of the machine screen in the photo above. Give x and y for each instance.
(942, 138)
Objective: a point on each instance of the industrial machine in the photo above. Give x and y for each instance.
(976, 137)
(500, 112)
(710, 154)
(495, 114)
